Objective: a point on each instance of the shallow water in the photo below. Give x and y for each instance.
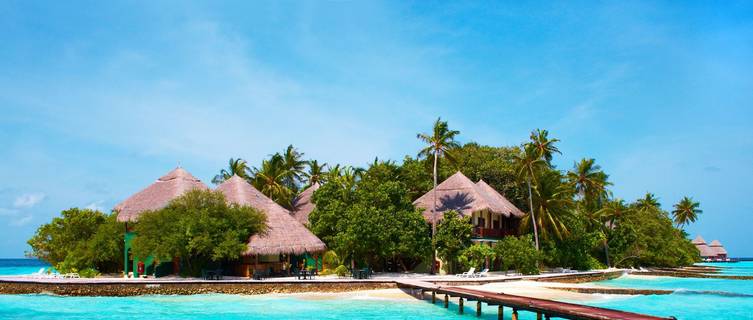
(218, 306)
(743, 268)
(693, 298)
(14, 267)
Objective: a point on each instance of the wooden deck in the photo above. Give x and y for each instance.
(543, 308)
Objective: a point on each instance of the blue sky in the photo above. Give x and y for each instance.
(97, 101)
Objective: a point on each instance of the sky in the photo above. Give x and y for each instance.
(99, 99)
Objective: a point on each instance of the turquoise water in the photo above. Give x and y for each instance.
(744, 268)
(217, 306)
(693, 298)
(20, 266)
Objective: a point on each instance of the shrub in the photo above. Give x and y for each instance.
(88, 273)
(341, 271)
(476, 256)
(519, 254)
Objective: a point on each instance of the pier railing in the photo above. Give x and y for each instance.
(541, 307)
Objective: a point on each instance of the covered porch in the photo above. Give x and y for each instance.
(490, 225)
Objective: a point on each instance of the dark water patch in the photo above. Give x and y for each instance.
(713, 292)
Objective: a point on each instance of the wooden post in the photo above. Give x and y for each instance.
(514, 314)
(460, 305)
(433, 297)
(478, 308)
(538, 315)
(446, 301)
(501, 312)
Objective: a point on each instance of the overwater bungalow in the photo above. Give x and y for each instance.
(710, 252)
(719, 251)
(303, 204)
(287, 244)
(154, 197)
(492, 215)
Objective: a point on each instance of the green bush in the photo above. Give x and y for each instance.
(88, 273)
(341, 271)
(476, 256)
(519, 254)
(330, 260)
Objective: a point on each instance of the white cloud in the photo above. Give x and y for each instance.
(28, 200)
(96, 205)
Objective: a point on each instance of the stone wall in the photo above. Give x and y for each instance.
(134, 289)
(580, 277)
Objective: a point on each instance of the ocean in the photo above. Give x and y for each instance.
(693, 299)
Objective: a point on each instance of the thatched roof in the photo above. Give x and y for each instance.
(461, 194)
(500, 200)
(717, 247)
(302, 204)
(157, 195)
(284, 234)
(706, 251)
(698, 240)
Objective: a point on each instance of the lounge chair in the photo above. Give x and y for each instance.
(482, 274)
(39, 274)
(467, 274)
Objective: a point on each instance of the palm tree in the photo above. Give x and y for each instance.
(552, 202)
(294, 165)
(316, 172)
(439, 143)
(271, 180)
(686, 211)
(589, 182)
(543, 145)
(610, 215)
(528, 163)
(237, 167)
(649, 201)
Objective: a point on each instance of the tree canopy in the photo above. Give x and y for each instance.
(198, 227)
(80, 239)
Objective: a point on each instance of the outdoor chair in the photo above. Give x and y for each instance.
(39, 274)
(218, 274)
(467, 274)
(482, 274)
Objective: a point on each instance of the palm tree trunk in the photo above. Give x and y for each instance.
(533, 217)
(434, 215)
(606, 252)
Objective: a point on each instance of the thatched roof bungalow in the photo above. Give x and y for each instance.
(492, 215)
(708, 251)
(303, 204)
(285, 235)
(158, 194)
(718, 249)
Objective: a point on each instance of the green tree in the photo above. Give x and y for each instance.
(590, 183)
(611, 214)
(316, 172)
(686, 211)
(648, 202)
(372, 220)
(294, 166)
(452, 237)
(552, 202)
(518, 253)
(237, 167)
(528, 163)
(80, 239)
(544, 146)
(198, 227)
(272, 180)
(440, 142)
(477, 256)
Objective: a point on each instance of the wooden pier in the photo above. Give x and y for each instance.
(542, 308)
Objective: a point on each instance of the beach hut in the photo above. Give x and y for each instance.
(718, 250)
(286, 244)
(154, 197)
(492, 215)
(704, 249)
(303, 206)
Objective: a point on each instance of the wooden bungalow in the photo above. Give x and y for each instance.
(492, 215)
(287, 244)
(719, 252)
(154, 197)
(706, 252)
(303, 205)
